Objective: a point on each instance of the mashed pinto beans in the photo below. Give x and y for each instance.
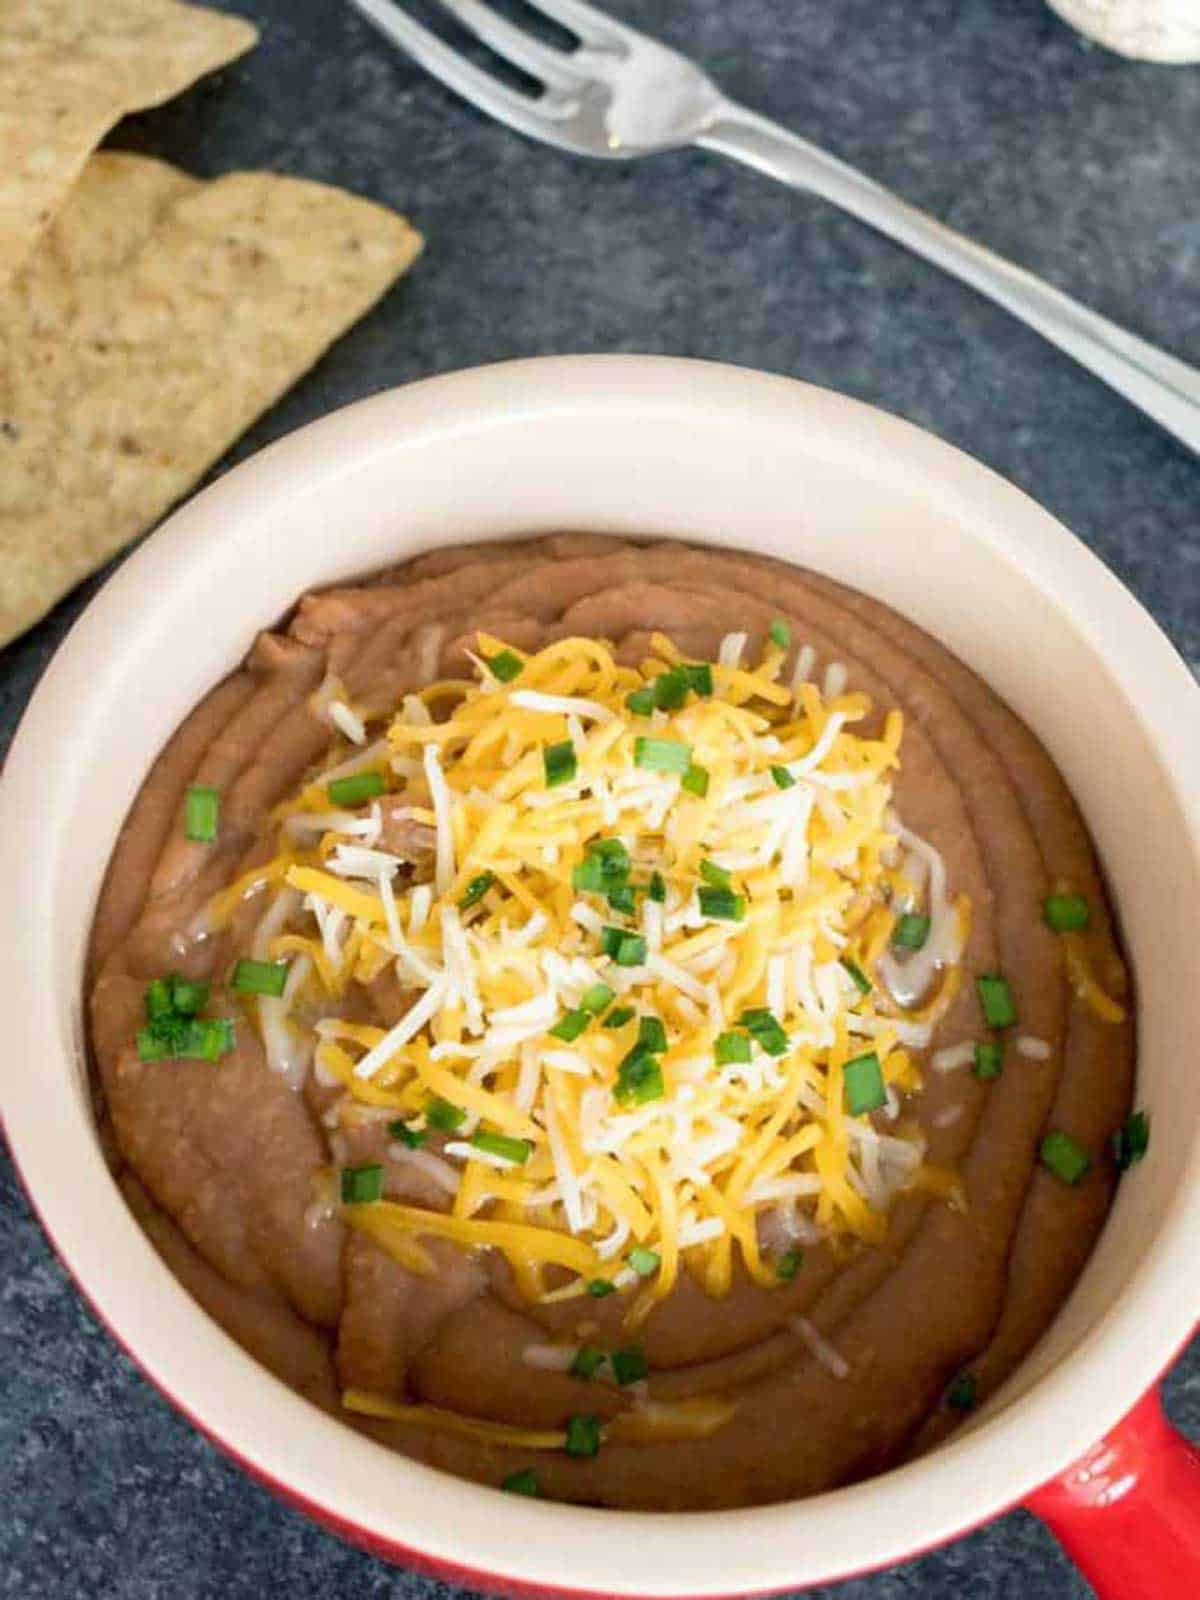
(225, 1161)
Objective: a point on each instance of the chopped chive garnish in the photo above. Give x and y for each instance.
(604, 869)
(911, 931)
(595, 999)
(671, 689)
(661, 755)
(699, 677)
(780, 633)
(188, 998)
(475, 890)
(732, 1047)
(641, 702)
(414, 1138)
(523, 1482)
(717, 876)
(504, 1145)
(989, 1059)
(588, 876)
(788, 1265)
(861, 982)
(150, 1047)
(157, 999)
(506, 666)
(599, 1288)
(644, 1262)
(722, 905)
(1131, 1142)
(652, 1035)
(610, 940)
(623, 899)
(658, 888)
(695, 781)
(996, 1000)
(588, 1361)
(583, 1436)
(863, 1086)
(631, 951)
(1066, 913)
(260, 977)
(201, 814)
(1064, 1158)
(570, 1025)
(441, 1114)
(639, 1078)
(783, 778)
(362, 1185)
(559, 763)
(767, 1029)
(352, 791)
(173, 1032)
(619, 1016)
(629, 1365)
(208, 1040)
(960, 1394)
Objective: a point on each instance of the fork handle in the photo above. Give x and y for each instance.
(1161, 385)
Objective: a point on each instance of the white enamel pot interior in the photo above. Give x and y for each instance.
(655, 447)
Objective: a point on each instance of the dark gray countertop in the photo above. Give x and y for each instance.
(989, 113)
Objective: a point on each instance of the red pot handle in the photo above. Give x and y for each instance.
(1128, 1512)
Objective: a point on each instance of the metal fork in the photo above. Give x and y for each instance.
(621, 95)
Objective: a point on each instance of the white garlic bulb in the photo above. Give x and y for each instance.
(1151, 30)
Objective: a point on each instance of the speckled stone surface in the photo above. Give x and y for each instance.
(991, 114)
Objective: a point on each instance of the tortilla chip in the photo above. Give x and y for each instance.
(157, 319)
(69, 70)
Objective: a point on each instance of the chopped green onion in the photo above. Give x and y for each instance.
(559, 763)
(783, 778)
(588, 1361)
(717, 876)
(732, 1047)
(441, 1114)
(524, 1482)
(504, 1145)
(722, 905)
(631, 952)
(989, 1059)
(619, 1016)
(610, 940)
(352, 791)
(995, 997)
(151, 1048)
(644, 1262)
(362, 1185)
(570, 1025)
(960, 1395)
(1066, 913)
(639, 1078)
(201, 814)
(658, 888)
(506, 666)
(604, 869)
(414, 1138)
(622, 899)
(661, 755)
(188, 998)
(780, 633)
(788, 1265)
(699, 677)
(861, 982)
(176, 1037)
(475, 890)
(157, 999)
(695, 781)
(629, 1365)
(260, 977)
(588, 876)
(911, 932)
(208, 1040)
(583, 1436)
(1131, 1142)
(863, 1086)
(642, 701)
(671, 689)
(1065, 1159)
(598, 1288)
(652, 1035)
(767, 1029)
(595, 999)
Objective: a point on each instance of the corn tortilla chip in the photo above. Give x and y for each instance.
(69, 70)
(158, 317)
